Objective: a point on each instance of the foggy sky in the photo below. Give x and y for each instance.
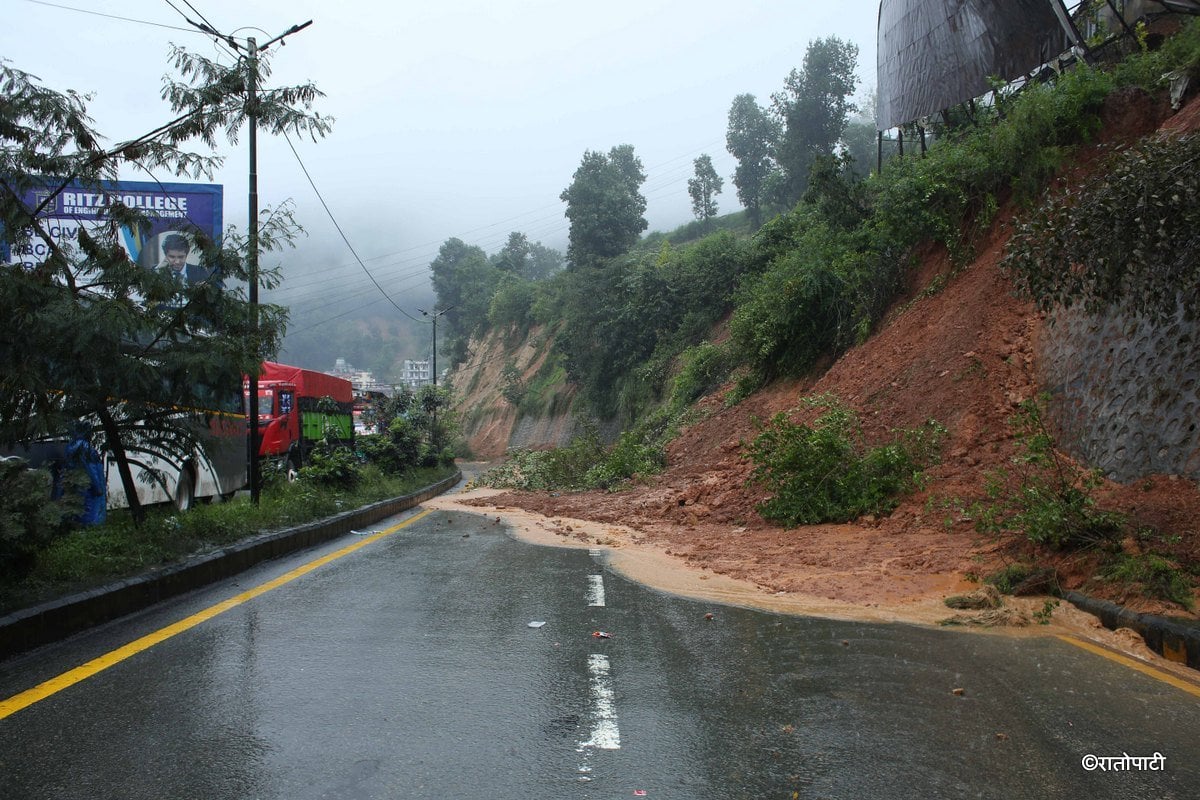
(463, 118)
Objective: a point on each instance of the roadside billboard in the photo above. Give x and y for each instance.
(175, 214)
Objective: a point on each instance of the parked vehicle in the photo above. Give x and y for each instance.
(299, 407)
(212, 463)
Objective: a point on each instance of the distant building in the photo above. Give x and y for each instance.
(362, 380)
(342, 368)
(416, 373)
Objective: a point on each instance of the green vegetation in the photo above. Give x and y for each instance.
(586, 463)
(828, 473)
(1024, 578)
(543, 393)
(44, 552)
(1132, 230)
(815, 279)
(1044, 496)
(1151, 575)
(91, 557)
(704, 188)
(1008, 579)
(704, 368)
(633, 329)
(107, 327)
(1050, 501)
(29, 518)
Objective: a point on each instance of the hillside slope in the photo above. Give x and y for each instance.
(965, 355)
(492, 423)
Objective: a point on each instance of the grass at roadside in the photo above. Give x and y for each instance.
(95, 556)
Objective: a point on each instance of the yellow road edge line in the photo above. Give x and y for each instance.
(54, 685)
(1132, 663)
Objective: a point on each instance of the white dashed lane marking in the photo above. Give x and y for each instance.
(596, 591)
(605, 734)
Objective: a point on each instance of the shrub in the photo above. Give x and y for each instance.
(635, 453)
(336, 467)
(117, 549)
(396, 451)
(585, 463)
(1009, 578)
(1044, 496)
(29, 518)
(1025, 579)
(705, 367)
(827, 472)
(1130, 233)
(511, 303)
(512, 387)
(1157, 576)
(796, 311)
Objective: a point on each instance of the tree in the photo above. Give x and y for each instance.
(513, 255)
(525, 259)
(703, 188)
(120, 347)
(813, 108)
(751, 138)
(464, 280)
(542, 262)
(860, 142)
(605, 205)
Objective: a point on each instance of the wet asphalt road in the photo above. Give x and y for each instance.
(407, 670)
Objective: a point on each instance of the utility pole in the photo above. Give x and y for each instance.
(252, 262)
(252, 53)
(433, 431)
(435, 319)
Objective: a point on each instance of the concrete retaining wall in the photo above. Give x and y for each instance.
(1125, 393)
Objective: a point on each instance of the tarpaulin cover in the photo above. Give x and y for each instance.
(935, 54)
(309, 383)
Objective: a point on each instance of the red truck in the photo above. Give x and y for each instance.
(289, 419)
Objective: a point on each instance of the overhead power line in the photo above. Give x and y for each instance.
(208, 29)
(342, 233)
(111, 16)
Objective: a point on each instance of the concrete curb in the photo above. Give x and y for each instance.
(1173, 640)
(49, 622)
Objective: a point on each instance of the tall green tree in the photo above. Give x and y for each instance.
(751, 137)
(532, 261)
(542, 263)
(814, 107)
(88, 336)
(704, 188)
(860, 142)
(513, 255)
(605, 205)
(465, 281)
